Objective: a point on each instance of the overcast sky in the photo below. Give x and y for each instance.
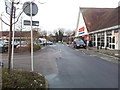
(60, 13)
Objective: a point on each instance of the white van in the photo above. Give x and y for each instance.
(42, 41)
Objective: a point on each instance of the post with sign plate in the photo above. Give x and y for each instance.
(30, 9)
(31, 38)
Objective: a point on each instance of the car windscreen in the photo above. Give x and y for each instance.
(80, 41)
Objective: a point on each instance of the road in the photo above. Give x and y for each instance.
(64, 67)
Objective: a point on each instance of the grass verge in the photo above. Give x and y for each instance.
(22, 79)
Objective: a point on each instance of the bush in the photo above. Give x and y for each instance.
(22, 79)
(36, 47)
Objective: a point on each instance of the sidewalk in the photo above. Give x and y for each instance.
(115, 53)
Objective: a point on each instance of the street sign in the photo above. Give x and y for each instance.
(115, 31)
(26, 8)
(8, 8)
(34, 23)
(26, 22)
(8, 11)
(8, 4)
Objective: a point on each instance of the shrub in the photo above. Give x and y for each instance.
(36, 47)
(22, 79)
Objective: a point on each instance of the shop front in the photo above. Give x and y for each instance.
(105, 39)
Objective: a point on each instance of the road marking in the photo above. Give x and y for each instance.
(43, 48)
(109, 56)
(76, 49)
(83, 52)
(107, 59)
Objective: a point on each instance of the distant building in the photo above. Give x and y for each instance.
(24, 35)
(102, 27)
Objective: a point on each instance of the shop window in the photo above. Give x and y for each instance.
(107, 44)
(110, 40)
(113, 46)
(94, 43)
(110, 46)
(113, 40)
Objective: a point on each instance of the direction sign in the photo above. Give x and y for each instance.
(34, 23)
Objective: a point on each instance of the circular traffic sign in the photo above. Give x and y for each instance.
(27, 9)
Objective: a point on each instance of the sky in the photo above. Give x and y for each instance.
(54, 14)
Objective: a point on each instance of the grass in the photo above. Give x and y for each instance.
(22, 79)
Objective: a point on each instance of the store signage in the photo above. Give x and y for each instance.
(109, 33)
(4, 37)
(81, 30)
(115, 31)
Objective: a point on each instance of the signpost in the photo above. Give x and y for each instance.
(31, 10)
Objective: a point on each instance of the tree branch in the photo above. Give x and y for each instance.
(4, 22)
(20, 15)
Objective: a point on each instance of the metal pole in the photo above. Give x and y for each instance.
(20, 31)
(13, 43)
(31, 38)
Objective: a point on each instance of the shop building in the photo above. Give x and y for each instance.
(102, 26)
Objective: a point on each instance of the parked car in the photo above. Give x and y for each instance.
(22, 45)
(2, 49)
(3, 46)
(49, 43)
(79, 43)
(1, 64)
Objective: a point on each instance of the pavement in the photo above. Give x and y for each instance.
(112, 53)
(115, 53)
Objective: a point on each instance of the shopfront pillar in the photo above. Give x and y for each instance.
(105, 39)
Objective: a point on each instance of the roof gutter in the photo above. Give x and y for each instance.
(106, 29)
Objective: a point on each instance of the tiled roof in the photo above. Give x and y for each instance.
(99, 18)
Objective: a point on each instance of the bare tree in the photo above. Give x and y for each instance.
(59, 34)
(10, 32)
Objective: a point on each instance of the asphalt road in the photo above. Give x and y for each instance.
(77, 70)
(65, 67)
